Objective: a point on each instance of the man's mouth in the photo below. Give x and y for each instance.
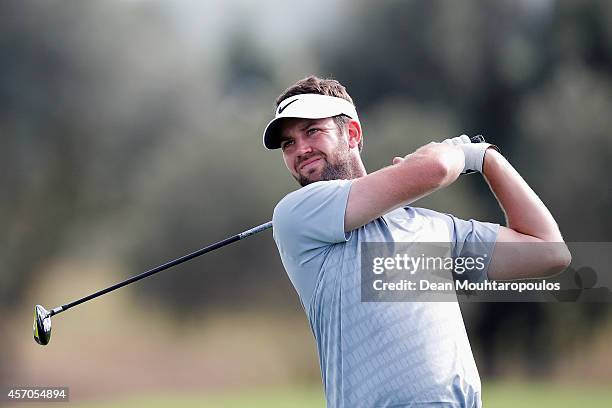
(306, 164)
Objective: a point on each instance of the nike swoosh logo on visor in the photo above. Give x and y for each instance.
(281, 109)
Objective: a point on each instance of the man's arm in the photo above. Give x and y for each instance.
(429, 168)
(531, 246)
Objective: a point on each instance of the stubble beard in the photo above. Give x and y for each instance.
(341, 166)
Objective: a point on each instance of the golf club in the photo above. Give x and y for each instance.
(42, 317)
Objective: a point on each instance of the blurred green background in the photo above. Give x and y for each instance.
(131, 134)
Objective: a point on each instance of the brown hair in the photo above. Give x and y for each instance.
(321, 86)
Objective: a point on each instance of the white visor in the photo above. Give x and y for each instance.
(306, 106)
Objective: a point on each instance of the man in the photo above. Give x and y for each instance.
(375, 354)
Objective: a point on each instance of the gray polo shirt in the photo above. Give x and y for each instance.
(376, 354)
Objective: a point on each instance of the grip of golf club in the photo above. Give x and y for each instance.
(477, 139)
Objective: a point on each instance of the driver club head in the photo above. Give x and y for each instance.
(42, 325)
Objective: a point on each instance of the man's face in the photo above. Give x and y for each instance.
(315, 150)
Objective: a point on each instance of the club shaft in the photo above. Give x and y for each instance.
(185, 258)
(165, 266)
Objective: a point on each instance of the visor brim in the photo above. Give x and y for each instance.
(306, 106)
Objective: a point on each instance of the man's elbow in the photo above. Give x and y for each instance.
(559, 258)
(563, 257)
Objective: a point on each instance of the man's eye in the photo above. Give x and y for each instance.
(285, 144)
(312, 131)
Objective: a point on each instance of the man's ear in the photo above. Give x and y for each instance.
(354, 133)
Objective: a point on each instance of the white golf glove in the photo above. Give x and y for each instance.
(474, 152)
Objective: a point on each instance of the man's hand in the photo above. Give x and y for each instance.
(452, 156)
(474, 153)
(414, 176)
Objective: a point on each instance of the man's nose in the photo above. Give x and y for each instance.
(302, 147)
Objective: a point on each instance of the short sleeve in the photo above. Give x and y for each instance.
(310, 218)
(473, 239)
